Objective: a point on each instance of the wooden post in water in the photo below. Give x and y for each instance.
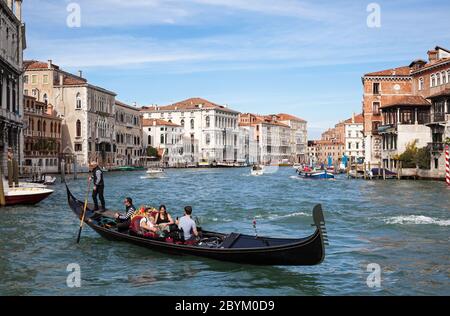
(384, 173)
(10, 174)
(399, 171)
(15, 172)
(365, 171)
(369, 170)
(63, 171)
(2, 190)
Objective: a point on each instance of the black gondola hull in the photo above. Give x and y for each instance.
(305, 251)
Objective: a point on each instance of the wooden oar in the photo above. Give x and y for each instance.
(84, 210)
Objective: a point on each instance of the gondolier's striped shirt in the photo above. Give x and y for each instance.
(130, 211)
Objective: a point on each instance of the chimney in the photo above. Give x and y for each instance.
(80, 73)
(9, 3)
(154, 123)
(61, 79)
(353, 118)
(18, 10)
(49, 63)
(432, 55)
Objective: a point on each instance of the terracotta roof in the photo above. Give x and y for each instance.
(359, 119)
(288, 117)
(432, 64)
(400, 71)
(73, 80)
(35, 64)
(189, 104)
(443, 93)
(415, 101)
(151, 122)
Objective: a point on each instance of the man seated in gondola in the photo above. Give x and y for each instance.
(124, 220)
(187, 224)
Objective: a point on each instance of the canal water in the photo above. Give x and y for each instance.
(401, 226)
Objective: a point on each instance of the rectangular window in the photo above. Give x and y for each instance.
(78, 147)
(436, 163)
(34, 79)
(376, 108)
(376, 88)
(25, 79)
(45, 79)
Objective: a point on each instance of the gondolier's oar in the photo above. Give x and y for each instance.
(84, 210)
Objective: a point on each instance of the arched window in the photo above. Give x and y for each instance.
(78, 128)
(208, 139)
(32, 125)
(39, 126)
(45, 98)
(421, 84)
(444, 77)
(192, 124)
(208, 121)
(433, 81)
(162, 139)
(59, 128)
(51, 127)
(78, 105)
(438, 79)
(44, 127)
(182, 123)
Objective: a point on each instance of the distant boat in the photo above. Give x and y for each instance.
(204, 164)
(257, 170)
(316, 174)
(155, 172)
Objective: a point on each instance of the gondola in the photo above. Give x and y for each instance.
(234, 247)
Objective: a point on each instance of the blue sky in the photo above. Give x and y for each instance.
(264, 56)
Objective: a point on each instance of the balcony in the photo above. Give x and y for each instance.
(436, 147)
(435, 118)
(387, 128)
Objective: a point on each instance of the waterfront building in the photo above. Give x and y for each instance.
(12, 44)
(247, 147)
(210, 129)
(128, 131)
(431, 80)
(42, 144)
(272, 138)
(175, 148)
(335, 134)
(88, 112)
(403, 123)
(354, 138)
(299, 136)
(330, 148)
(312, 152)
(381, 88)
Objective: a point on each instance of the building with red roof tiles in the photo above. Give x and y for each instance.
(212, 129)
(415, 107)
(168, 138)
(354, 138)
(380, 88)
(272, 137)
(88, 112)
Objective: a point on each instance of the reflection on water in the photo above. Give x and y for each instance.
(401, 225)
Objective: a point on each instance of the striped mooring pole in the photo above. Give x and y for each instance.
(447, 164)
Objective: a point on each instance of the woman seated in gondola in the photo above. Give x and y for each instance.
(163, 219)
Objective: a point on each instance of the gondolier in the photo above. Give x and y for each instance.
(99, 186)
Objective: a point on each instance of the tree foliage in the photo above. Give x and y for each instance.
(414, 157)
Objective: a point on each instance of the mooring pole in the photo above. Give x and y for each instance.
(447, 164)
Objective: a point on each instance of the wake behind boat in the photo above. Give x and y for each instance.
(232, 247)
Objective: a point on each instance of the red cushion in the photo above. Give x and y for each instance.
(135, 224)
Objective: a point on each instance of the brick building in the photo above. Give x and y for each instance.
(381, 88)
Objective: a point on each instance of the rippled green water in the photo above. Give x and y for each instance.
(401, 225)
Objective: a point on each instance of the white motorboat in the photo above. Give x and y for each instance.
(154, 172)
(257, 170)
